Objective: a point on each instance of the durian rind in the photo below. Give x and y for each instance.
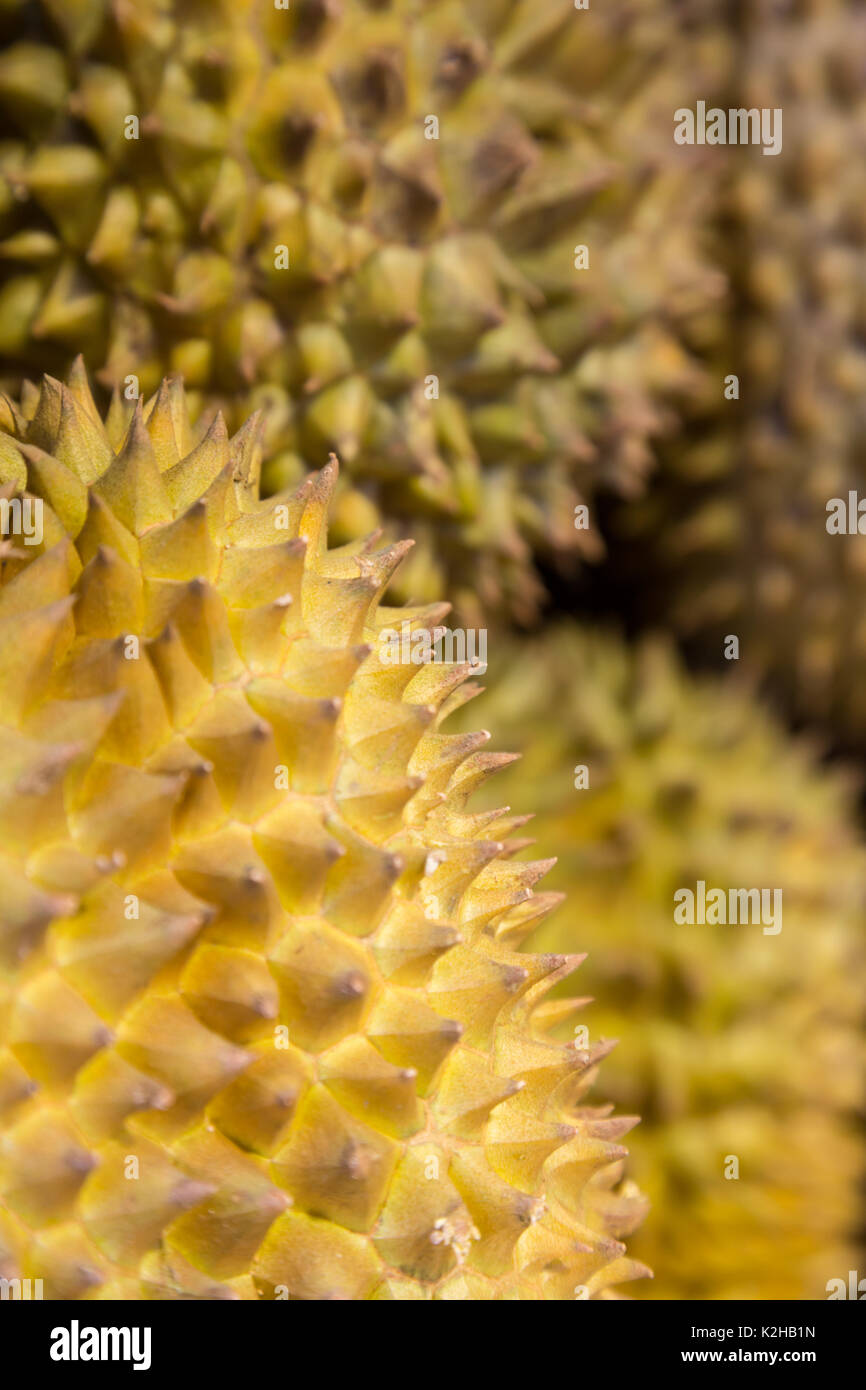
(264, 1029)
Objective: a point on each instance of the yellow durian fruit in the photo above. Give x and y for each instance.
(265, 1029)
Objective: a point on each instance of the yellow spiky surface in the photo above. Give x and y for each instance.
(731, 1042)
(264, 1027)
(304, 128)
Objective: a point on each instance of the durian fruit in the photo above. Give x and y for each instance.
(733, 1044)
(264, 1027)
(737, 523)
(247, 194)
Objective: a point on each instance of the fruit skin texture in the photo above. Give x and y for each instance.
(734, 526)
(265, 1030)
(731, 1042)
(408, 258)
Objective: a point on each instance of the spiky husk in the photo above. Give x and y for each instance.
(265, 1028)
(735, 526)
(304, 128)
(732, 1042)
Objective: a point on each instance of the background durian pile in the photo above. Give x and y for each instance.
(248, 197)
(733, 1043)
(407, 257)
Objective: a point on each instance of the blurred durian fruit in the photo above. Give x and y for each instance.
(732, 536)
(367, 218)
(265, 1027)
(733, 1044)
